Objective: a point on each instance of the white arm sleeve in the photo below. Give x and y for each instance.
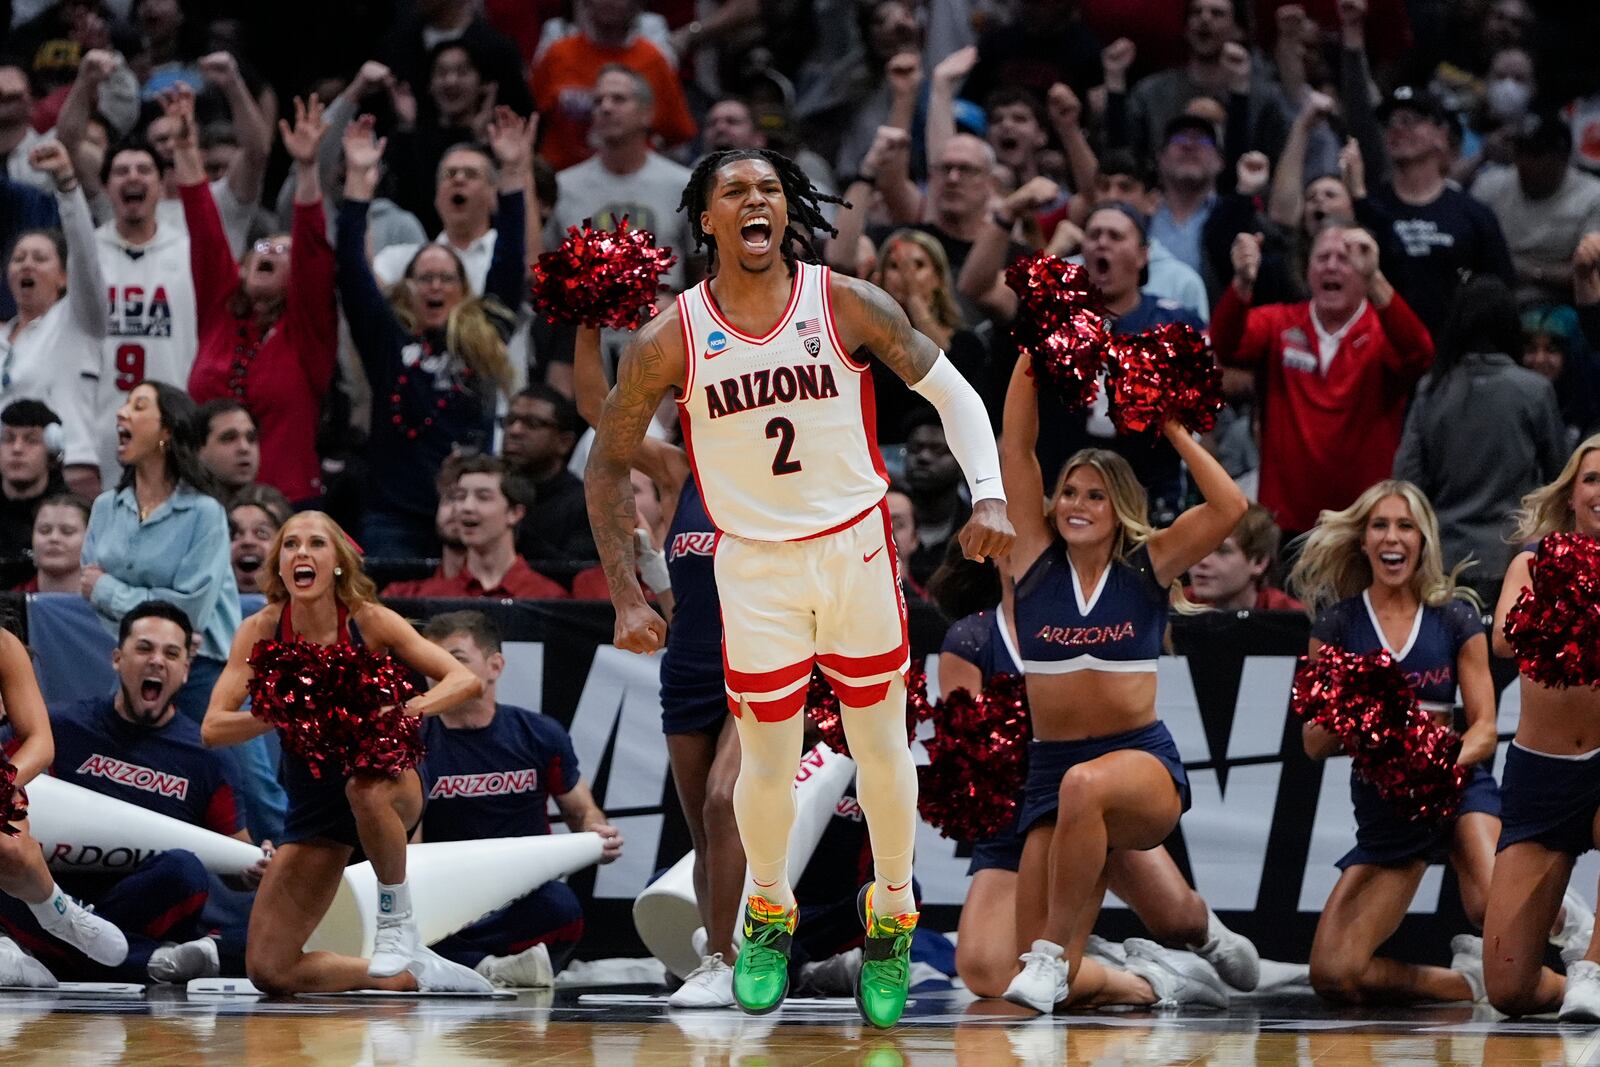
(966, 428)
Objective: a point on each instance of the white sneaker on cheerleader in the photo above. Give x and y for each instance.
(528, 969)
(393, 945)
(174, 963)
(1466, 959)
(1043, 981)
(19, 969)
(85, 931)
(1177, 979)
(1577, 929)
(435, 974)
(1233, 955)
(709, 985)
(1582, 1000)
(1109, 952)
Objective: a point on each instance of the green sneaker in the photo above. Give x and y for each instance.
(885, 977)
(761, 973)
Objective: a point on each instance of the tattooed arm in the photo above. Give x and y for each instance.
(652, 363)
(867, 317)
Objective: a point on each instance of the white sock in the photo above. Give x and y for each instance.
(52, 910)
(394, 901)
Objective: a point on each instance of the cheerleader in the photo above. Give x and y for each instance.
(1373, 576)
(977, 647)
(1551, 791)
(1093, 586)
(317, 592)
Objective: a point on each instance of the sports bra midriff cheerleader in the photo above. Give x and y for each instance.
(1117, 626)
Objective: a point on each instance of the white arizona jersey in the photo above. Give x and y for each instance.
(152, 331)
(780, 429)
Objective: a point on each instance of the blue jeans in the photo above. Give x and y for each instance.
(392, 535)
(252, 767)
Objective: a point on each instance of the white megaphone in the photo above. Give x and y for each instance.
(666, 914)
(81, 830)
(453, 884)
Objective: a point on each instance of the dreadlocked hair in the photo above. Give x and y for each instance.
(805, 203)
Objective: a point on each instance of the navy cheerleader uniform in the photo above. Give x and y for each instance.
(694, 696)
(982, 641)
(1062, 628)
(1385, 836)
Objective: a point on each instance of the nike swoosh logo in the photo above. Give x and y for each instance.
(868, 558)
(980, 481)
(713, 355)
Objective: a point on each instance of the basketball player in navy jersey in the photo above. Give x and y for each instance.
(776, 407)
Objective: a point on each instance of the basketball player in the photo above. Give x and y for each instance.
(766, 361)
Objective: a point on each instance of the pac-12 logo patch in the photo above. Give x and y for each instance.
(813, 345)
(716, 341)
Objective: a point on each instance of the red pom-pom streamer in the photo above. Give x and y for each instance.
(1366, 702)
(1554, 627)
(601, 278)
(822, 706)
(1059, 325)
(977, 760)
(13, 801)
(337, 707)
(1165, 373)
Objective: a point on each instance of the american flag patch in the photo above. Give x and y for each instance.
(808, 327)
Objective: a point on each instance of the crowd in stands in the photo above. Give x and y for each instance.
(250, 273)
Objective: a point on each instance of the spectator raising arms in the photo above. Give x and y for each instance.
(269, 326)
(434, 353)
(161, 535)
(52, 347)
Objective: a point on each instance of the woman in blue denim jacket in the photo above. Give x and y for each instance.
(162, 535)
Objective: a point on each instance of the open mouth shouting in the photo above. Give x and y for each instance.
(1393, 563)
(249, 562)
(150, 687)
(756, 233)
(304, 575)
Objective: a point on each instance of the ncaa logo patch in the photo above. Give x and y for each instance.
(716, 341)
(813, 345)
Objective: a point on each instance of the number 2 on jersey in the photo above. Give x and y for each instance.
(783, 430)
(130, 367)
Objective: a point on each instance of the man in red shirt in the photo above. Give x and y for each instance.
(489, 504)
(1336, 371)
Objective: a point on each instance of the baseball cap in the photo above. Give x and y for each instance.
(1185, 122)
(1413, 99)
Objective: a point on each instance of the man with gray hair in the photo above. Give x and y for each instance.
(625, 176)
(464, 197)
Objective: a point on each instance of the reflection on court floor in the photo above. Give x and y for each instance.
(168, 1029)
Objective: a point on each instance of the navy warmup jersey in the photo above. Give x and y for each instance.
(162, 769)
(496, 780)
(1428, 658)
(691, 669)
(1117, 626)
(978, 640)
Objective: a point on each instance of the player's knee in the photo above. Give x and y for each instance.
(986, 970)
(182, 871)
(367, 793)
(268, 971)
(1511, 989)
(1080, 789)
(717, 809)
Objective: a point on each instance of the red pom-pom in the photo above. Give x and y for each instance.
(13, 801)
(1059, 325)
(337, 707)
(822, 706)
(1554, 627)
(1165, 373)
(977, 760)
(601, 278)
(1366, 702)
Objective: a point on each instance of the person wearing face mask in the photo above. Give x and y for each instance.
(1337, 369)
(133, 746)
(1508, 94)
(50, 350)
(269, 325)
(58, 530)
(1093, 588)
(434, 352)
(254, 517)
(1545, 205)
(317, 592)
(1373, 575)
(1549, 798)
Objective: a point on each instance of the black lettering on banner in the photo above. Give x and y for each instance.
(783, 430)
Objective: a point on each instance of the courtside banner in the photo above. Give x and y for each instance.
(1259, 843)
